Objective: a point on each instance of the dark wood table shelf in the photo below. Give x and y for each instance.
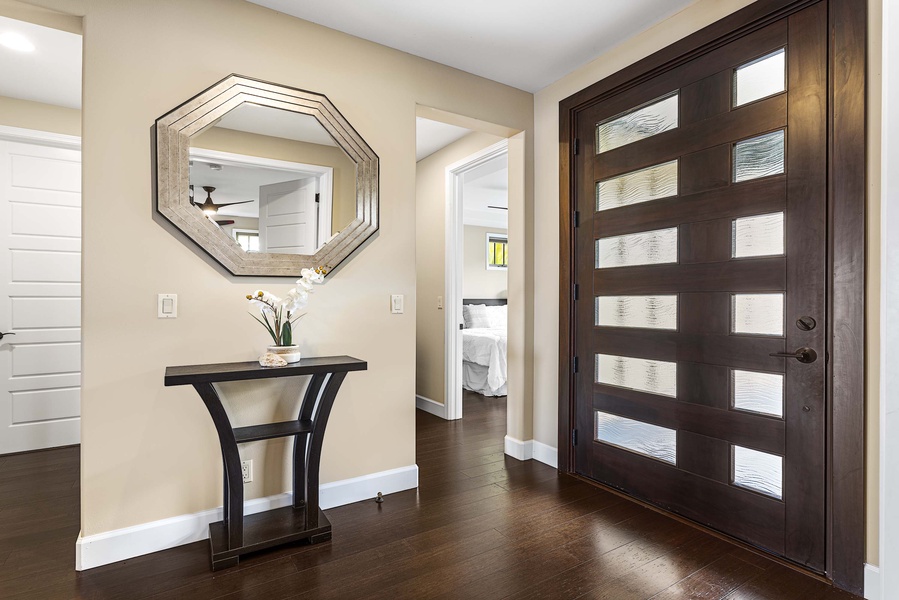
(255, 433)
(235, 534)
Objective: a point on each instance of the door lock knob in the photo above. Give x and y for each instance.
(806, 323)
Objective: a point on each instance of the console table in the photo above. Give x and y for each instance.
(236, 534)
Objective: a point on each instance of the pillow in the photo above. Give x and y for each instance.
(498, 317)
(475, 316)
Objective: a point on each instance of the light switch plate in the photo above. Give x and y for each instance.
(439, 302)
(167, 306)
(396, 304)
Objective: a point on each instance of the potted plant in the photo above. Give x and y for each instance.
(278, 315)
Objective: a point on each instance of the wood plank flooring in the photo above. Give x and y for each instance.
(481, 525)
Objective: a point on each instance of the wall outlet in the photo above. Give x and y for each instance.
(246, 468)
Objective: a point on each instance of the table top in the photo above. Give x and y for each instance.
(242, 371)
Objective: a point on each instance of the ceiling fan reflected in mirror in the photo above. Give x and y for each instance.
(209, 207)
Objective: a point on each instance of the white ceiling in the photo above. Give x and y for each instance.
(50, 74)
(431, 136)
(274, 122)
(527, 44)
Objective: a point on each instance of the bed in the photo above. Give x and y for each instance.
(484, 346)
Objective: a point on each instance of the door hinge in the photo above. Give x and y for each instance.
(574, 364)
(577, 146)
(317, 198)
(577, 218)
(574, 437)
(577, 290)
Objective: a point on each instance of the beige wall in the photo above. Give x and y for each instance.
(430, 248)
(39, 116)
(150, 452)
(546, 220)
(343, 209)
(477, 280)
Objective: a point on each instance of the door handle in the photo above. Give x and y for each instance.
(803, 355)
(3, 334)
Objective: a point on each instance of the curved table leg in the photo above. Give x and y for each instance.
(233, 480)
(314, 451)
(300, 440)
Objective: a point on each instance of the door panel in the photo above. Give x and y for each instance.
(40, 296)
(701, 242)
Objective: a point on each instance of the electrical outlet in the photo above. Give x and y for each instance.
(246, 469)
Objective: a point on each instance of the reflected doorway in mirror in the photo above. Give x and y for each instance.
(273, 205)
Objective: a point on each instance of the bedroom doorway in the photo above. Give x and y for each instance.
(467, 317)
(478, 196)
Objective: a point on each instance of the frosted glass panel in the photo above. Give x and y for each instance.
(644, 248)
(650, 312)
(761, 314)
(759, 157)
(654, 118)
(758, 392)
(760, 78)
(653, 376)
(762, 235)
(651, 183)
(758, 471)
(636, 436)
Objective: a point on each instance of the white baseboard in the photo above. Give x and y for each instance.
(122, 544)
(546, 454)
(531, 449)
(430, 406)
(518, 449)
(873, 590)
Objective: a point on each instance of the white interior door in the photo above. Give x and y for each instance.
(40, 296)
(288, 219)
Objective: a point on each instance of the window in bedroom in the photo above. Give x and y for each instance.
(497, 251)
(247, 238)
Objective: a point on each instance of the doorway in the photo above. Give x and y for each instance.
(476, 321)
(439, 223)
(699, 326)
(40, 237)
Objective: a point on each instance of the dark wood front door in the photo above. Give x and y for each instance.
(700, 258)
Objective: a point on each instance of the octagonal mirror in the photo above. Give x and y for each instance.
(267, 179)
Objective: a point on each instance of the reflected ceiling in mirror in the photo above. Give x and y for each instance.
(267, 179)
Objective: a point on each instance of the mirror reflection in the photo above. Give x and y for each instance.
(273, 180)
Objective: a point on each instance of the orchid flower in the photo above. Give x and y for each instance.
(278, 315)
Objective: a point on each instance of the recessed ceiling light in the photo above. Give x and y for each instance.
(16, 41)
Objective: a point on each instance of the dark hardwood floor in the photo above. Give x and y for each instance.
(480, 526)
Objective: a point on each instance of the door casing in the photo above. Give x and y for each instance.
(846, 120)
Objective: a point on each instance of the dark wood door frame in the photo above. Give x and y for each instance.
(847, 26)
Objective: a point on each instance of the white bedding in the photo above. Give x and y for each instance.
(485, 347)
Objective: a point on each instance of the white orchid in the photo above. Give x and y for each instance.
(283, 311)
(313, 275)
(295, 300)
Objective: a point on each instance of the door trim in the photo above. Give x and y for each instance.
(41, 138)
(845, 394)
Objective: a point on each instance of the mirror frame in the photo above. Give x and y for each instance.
(173, 132)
